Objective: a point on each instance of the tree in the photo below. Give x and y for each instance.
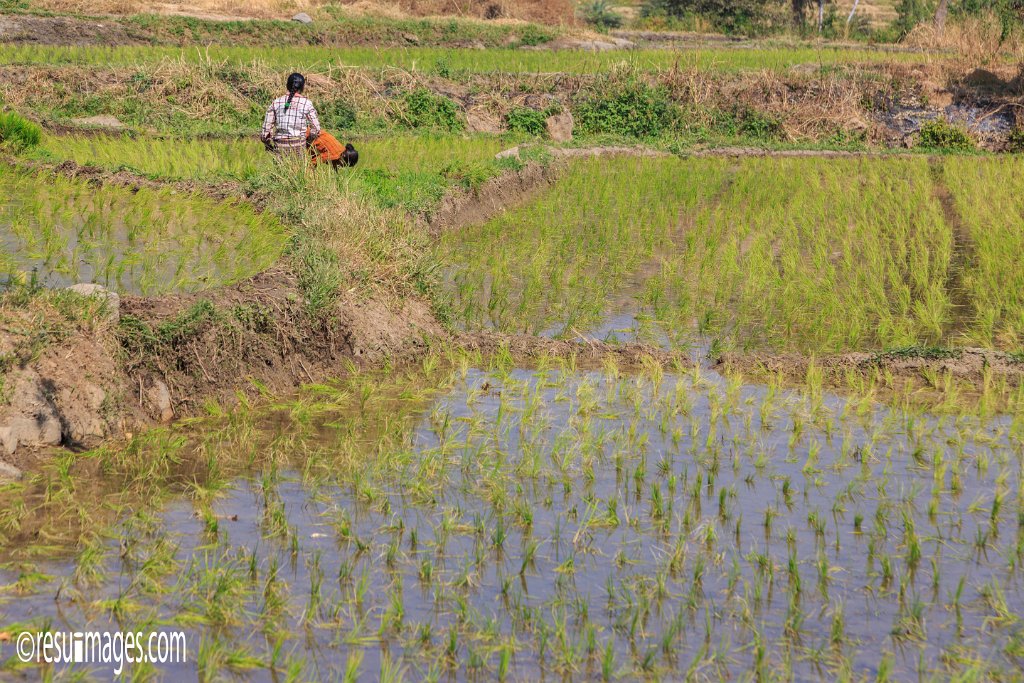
(728, 15)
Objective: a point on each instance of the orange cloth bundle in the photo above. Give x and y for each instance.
(326, 149)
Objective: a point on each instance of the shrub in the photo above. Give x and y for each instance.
(633, 109)
(337, 115)
(526, 120)
(424, 109)
(601, 15)
(731, 16)
(1015, 143)
(941, 134)
(18, 131)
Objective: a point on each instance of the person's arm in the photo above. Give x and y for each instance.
(314, 122)
(269, 123)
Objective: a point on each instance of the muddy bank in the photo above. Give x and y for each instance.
(970, 366)
(184, 31)
(527, 349)
(881, 105)
(461, 208)
(82, 370)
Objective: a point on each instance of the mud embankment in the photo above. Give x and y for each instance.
(78, 380)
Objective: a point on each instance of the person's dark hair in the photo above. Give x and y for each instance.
(296, 83)
(350, 157)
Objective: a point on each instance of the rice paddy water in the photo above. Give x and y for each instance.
(470, 520)
(518, 523)
(62, 232)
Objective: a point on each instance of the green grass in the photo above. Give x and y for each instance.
(814, 255)
(407, 171)
(558, 260)
(454, 61)
(195, 159)
(140, 242)
(987, 197)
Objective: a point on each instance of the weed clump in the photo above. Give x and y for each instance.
(941, 134)
(18, 131)
(527, 121)
(337, 115)
(601, 15)
(424, 109)
(633, 108)
(138, 338)
(1015, 142)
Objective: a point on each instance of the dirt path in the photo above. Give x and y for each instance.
(961, 259)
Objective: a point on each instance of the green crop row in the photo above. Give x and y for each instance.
(557, 261)
(446, 62)
(62, 232)
(987, 194)
(816, 255)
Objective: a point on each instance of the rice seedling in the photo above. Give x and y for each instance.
(454, 60)
(143, 242)
(536, 555)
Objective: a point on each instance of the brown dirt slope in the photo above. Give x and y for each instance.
(75, 382)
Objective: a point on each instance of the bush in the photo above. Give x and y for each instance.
(633, 109)
(601, 15)
(731, 16)
(941, 134)
(424, 109)
(526, 120)
(337, 115)
(18, 131)
(1015, 143)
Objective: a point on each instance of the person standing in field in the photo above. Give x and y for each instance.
(291, 121)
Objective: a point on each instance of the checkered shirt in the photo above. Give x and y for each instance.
(288, 127)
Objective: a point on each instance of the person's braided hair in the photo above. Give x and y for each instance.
(296, 83)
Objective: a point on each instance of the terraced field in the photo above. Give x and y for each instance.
(697, 394)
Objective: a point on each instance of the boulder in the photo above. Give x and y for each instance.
(41, 430)
(100, 121)
(303, 18)
(159, 397)
(511, 153)
(560, 126)
(113, 308)
(479, 120)
(9, 472)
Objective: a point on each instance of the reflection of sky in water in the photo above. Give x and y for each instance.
(564, 469)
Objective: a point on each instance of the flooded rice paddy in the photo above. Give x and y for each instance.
(566, 522)
(63, 232)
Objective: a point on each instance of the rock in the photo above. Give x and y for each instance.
(113, 307)
(560, 126)
(101, 121)
(9, 472)
(303, 18)
(42, 430)
(511, 153)
(596, 46)
(159, 397)
(482, 121)
(83, 421)
(411, 38)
